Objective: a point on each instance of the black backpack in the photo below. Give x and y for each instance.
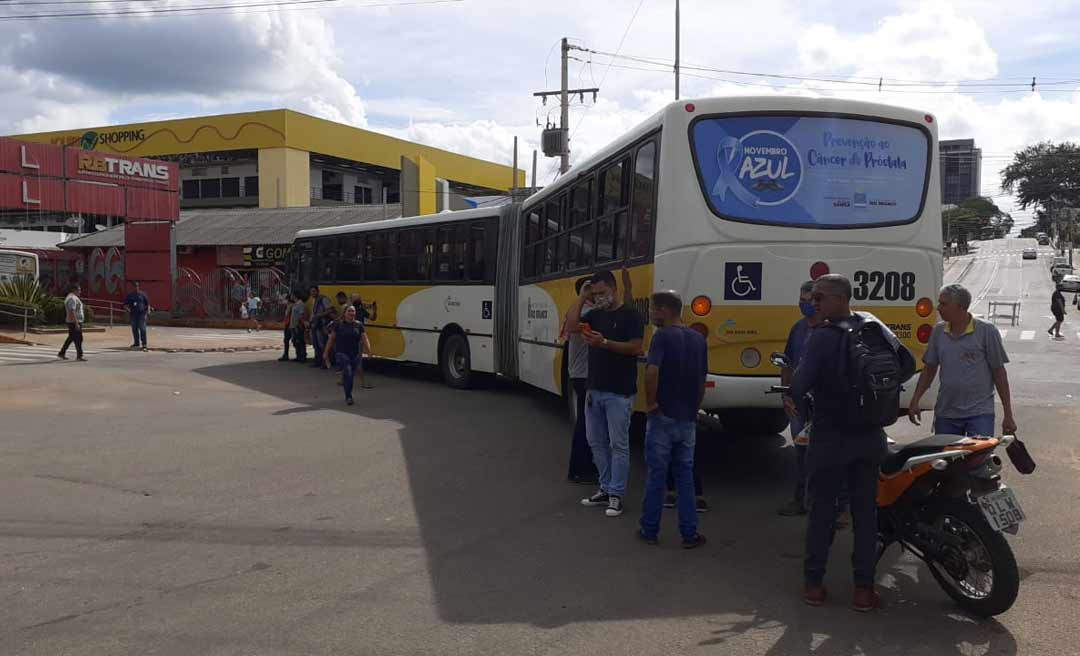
(876, 372)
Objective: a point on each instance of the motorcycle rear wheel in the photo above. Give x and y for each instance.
(982, 576)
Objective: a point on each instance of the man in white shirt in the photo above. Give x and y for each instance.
(75, 316)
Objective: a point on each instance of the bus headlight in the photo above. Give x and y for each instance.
(750, 358)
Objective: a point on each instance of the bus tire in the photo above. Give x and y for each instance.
(455, 361)
(753, 421)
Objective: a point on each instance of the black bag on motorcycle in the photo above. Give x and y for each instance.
(1020, 457)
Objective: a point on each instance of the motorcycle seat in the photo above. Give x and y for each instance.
(900, 453)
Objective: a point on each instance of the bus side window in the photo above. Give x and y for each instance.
(414, 251)
(582, 244)
(350, 262)
(328, 259)
(477, 253)
(643, 210)
(445, 265)
(378, 259)
(612, 202)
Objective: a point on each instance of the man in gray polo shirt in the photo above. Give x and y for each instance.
(971, 357)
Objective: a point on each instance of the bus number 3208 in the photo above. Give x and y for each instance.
(884, 286)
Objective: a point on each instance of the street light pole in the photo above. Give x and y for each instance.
(676, 49)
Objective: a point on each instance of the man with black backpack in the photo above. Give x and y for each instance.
(853, 368)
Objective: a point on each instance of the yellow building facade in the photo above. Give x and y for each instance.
(282, 158)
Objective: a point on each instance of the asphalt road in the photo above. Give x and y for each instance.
(230, 504)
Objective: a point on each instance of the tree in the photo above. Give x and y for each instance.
(1043, 174)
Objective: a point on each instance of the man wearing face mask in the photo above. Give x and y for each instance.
(613, 332)
(797, 413)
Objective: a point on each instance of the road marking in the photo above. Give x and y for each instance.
(28, 354)
(1027, 335)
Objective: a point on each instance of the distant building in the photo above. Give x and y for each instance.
(961, 170)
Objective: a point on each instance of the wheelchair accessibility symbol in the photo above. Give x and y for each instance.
(742, 281)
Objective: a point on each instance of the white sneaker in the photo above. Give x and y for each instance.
(614, 506)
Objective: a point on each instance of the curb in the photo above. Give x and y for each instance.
(5, 339)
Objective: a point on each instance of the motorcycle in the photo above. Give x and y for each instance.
(942, 499)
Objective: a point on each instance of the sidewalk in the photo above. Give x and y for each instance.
(167, 339)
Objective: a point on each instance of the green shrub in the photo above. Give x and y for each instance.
(24, 289)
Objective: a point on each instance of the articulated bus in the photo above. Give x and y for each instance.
(731, 202)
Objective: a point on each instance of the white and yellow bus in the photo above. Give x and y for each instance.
(731, 202)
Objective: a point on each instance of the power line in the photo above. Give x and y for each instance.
(607, 70)
(788, 87)
(876, 83)
(227, 7)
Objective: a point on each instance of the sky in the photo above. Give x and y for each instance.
(460, 74)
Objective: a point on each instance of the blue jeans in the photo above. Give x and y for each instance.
(607, 427)
(977, 426)
(138, 329)
(349, 365)
(669, 443)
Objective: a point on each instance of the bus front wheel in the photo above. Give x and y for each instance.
(456, 362)
(753, 421)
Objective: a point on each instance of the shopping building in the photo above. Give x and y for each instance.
(284, 159)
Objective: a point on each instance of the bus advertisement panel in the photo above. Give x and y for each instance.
(811, 171)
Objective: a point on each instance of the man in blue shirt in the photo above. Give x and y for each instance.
(674, 388)
(138, 305)
(840, 448)
(797, 413)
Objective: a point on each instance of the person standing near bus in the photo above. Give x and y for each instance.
(320, 309)
(614, 333)
(73, 308)
(344, 344)
(581, 470)
(138, 306)
(971, 356)
(797, 413)
(843, 446)
(362, 314)
(298, 327)
(287, 330)
(674, 389)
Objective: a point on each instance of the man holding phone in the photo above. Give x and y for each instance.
(614, 333)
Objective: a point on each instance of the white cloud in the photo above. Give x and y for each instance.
(275, 59)
(933, 42)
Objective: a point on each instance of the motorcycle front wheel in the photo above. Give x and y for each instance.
(979, 573)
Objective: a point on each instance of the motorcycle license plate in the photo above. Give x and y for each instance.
(1001, 509)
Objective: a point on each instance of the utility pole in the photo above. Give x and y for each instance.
(562, 148)
(676, 49)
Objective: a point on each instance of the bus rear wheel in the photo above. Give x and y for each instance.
(753, 421)
(456, 362)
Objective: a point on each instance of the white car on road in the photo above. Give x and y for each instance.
(1031, 254)
(1070, 284)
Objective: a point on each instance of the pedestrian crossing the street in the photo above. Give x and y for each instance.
(20, 354)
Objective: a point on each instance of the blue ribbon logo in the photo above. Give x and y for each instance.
(762, 168)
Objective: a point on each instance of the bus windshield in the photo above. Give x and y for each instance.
(811, 171)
